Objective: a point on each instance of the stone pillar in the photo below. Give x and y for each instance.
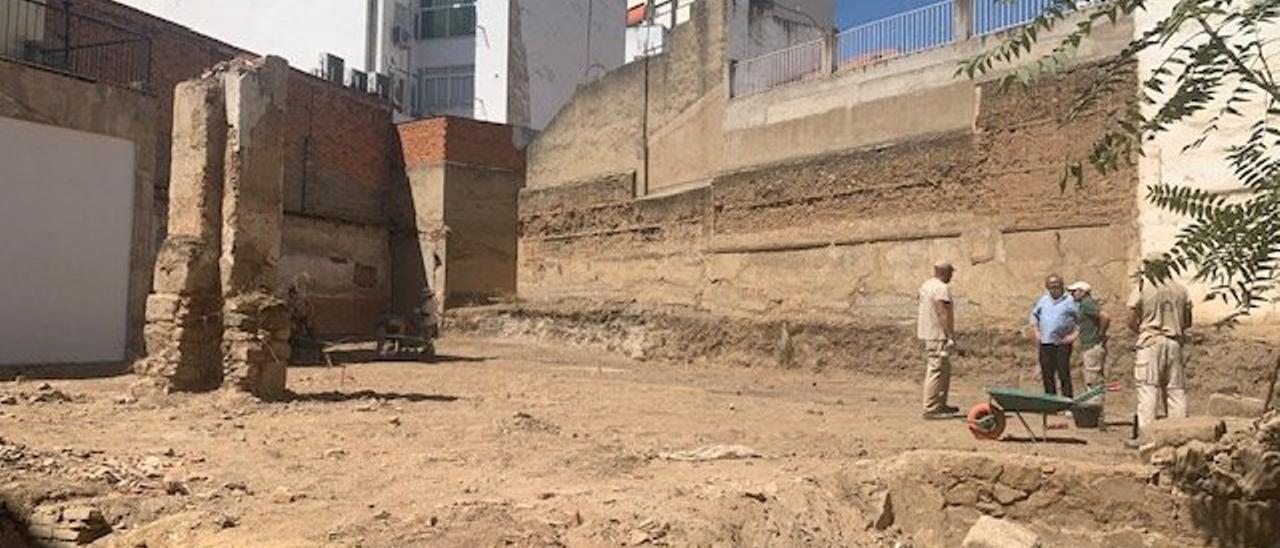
(184, 328)
(255, 340)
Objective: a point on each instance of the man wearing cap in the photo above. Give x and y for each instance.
(935, 325)
(1053, 323)
(1093, 325)
(1160, 313)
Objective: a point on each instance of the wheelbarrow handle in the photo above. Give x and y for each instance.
(1089, 394)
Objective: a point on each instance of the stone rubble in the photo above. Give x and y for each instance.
(57, 526)
(989, 532)
(1235, 477)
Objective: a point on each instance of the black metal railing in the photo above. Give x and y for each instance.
(54, 35)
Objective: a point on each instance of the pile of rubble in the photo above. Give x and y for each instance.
(1242, 464)
(131, 475)
(69, 526)
(1232, 477)
(43, 393)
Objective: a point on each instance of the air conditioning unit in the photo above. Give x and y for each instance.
(332, 68)
(358, 80)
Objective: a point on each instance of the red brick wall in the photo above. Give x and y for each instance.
(462, 141)
(340, 153)
(338, 139)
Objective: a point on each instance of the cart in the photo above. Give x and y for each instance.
(394, 346)
(987, 420)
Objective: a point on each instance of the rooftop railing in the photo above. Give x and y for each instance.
(55, 36)
(901, 35)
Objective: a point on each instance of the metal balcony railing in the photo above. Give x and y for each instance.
(775, 68)
(903, 34)
(907, 33)
(53, 35)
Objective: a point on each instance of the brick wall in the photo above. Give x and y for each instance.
(462, 141)
(341, 155)
(338, 139)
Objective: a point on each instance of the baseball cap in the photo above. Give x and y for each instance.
(1080, 286)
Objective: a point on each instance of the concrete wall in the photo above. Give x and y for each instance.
(764, 26)
(78, 181)
(454, 217)
(686, 131)
(1205, 167)
(531, 56)
(604, 130)
(599, 133)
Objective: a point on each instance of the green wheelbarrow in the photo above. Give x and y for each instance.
(987, 420)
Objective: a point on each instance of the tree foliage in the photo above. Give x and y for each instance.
(1210, 67)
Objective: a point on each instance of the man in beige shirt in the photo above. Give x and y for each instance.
(935, 326)
(1160, 314)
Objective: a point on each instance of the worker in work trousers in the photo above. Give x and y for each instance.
(935, 326)
(1160, 314)
(1093, 324)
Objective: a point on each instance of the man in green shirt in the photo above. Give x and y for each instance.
(1093, 324)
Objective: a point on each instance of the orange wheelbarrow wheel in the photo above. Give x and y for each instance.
(986, 422)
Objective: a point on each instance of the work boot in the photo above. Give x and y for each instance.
(949, 409)
(938, 414)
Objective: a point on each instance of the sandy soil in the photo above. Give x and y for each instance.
(497, 444)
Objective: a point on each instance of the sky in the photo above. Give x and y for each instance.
(299, 30)
(854, 12)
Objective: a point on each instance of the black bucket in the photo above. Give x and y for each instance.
(1087, 416)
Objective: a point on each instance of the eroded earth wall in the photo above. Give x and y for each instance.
(852, 234)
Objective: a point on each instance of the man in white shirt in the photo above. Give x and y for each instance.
(935, 326)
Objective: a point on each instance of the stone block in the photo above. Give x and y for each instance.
(253, 187)
(989, 532)
(163, 306)
(1233, 405)
(186, 266)
(1176, 432)
(196, 160)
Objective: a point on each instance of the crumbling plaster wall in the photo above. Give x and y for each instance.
(44, 97)
(852, 234)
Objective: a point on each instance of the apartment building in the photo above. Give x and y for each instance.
(506, 61)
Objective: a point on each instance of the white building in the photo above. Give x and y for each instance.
(773, 24)
(507, 61)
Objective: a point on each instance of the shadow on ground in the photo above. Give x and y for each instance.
(351, 357)
(334, 396)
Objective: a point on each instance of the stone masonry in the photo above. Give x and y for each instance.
(255, 337)
(213, 317)
(183, 332)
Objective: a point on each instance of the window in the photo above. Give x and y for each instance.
(445, 18)
(445, 89)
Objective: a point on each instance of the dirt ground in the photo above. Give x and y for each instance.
(498, 443)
